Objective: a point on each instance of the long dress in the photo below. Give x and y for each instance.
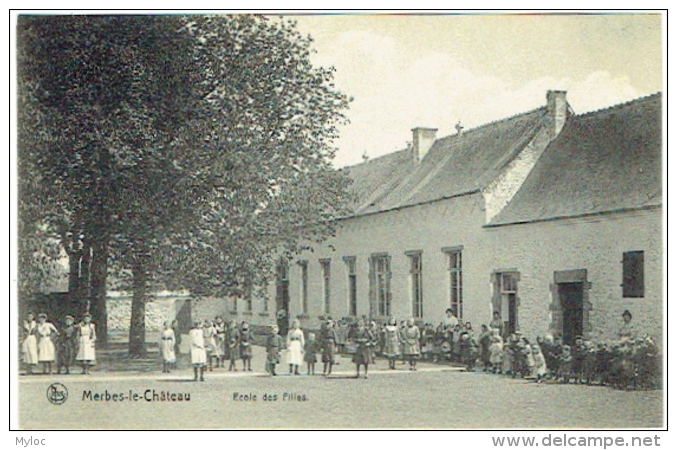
(67, 346)
(627, 332)
(167, 346)
(221, 339)
(295, 344)
(391, 348)
(86, 349)
(234, 343)
(310, 355)
(245, 344)
(540, 368)
(46, 349)
(496, 353)
(273, 345)
(198, 355)
(363, 338)
(209, 334)
(329, 341)
(29, 346)
(411, 341)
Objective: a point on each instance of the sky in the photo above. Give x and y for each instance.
(404, 71)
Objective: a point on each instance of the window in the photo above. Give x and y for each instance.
(282, 287)
(303, 268)
(380, 265)
(352, 285)
(326, 286)
(415, 273)
(633, 274)
(455, 268)
(508, 283)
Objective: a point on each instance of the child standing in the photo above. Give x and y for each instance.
(246, 347)
(565, 364)
(540, 368)
(329, 342)
(29, 346)
(310, 355)
(66, 345)
(213, 352)
(427, 339)
(362, 337)
(412, 349)
(295, 344)
(167, 343)
(87, 343)
(392, 343)
(220, 327)
(485, 343)
(198, 355)
(273, 345)
(233, 345)
(496, 352)
(46, 349)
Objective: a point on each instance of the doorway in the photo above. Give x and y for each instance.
(505, 299)
(571, 301)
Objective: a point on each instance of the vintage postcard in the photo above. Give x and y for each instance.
(447, 220)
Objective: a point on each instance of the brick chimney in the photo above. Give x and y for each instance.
(558, 109)
(424, 138)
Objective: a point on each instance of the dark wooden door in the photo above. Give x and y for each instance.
(571, 299)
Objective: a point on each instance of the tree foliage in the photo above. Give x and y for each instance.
(187, 151)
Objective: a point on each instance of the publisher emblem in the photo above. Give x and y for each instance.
(57, 393)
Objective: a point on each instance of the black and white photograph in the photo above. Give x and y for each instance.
(334, 220)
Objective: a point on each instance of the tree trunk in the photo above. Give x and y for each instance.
(74, 287)
(85, 280)
(137, 328)
(97, 306)
(99, 240)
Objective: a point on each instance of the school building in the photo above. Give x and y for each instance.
(551, 218)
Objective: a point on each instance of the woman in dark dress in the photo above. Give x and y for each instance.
(363, 337)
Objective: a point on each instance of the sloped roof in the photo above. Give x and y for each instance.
(602, 161)
(375, 178)
(455, 165)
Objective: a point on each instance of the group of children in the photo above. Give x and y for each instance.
(71, 344)
(622, 363)
(214, 342)
(626, 362)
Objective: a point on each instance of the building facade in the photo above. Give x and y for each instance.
(550, 218)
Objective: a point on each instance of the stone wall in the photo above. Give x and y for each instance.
(536, 251)
(596, 244)
(158, 310)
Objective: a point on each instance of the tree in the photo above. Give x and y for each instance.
(267, 129)
(106, 90)
(187, 150)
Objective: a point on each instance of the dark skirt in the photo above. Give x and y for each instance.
(310, 357)
(362, 355)
(245, 351)
(233, 353)
(329, 352)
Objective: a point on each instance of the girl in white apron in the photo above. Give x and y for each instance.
(29, 346)
(87, 349)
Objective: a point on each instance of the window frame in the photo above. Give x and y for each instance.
(325, 265)
(351, 272)
(416, 282)
(633, 274)
(455, 277)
